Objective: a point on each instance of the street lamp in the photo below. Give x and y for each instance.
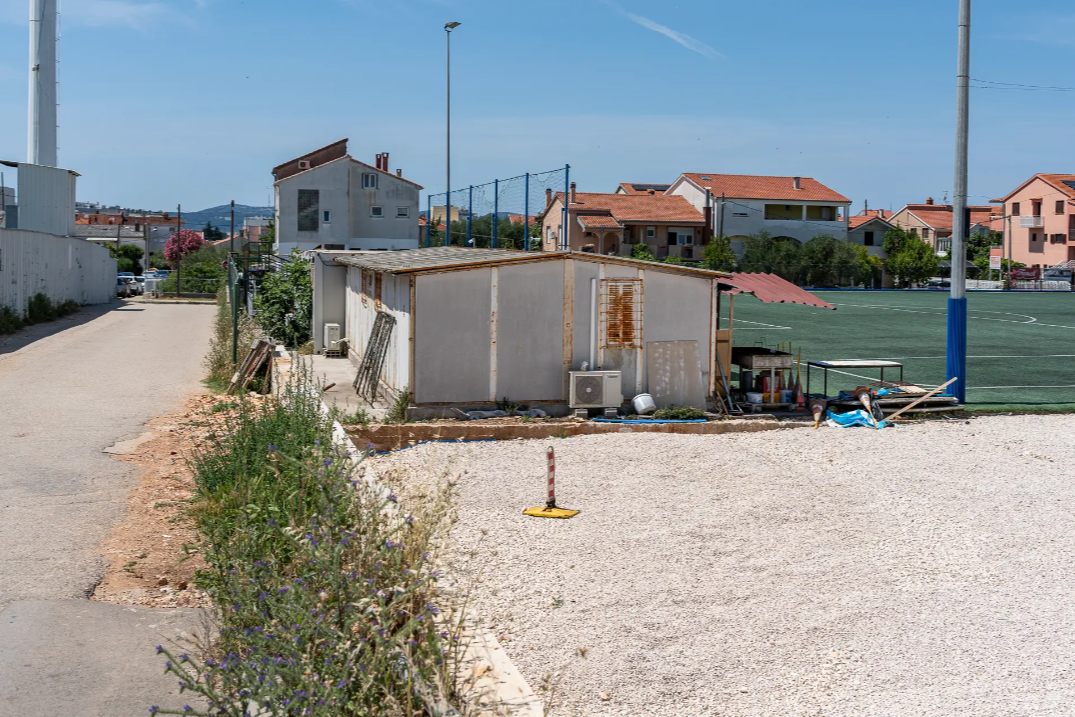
(448, 183)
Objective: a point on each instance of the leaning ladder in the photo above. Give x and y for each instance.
(369, 372)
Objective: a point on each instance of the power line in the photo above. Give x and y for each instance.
(1016, 86)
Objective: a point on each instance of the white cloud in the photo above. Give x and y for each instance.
(1050, 30)
(691, 43)
(682, 38)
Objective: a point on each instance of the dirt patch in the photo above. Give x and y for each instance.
(148, 562)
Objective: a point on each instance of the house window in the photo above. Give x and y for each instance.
(867, 239)
(376, 212)
(403, 212)
(621, 313)
(784, 212)
(651, 232)
(1015, 209)
(821, 214)
(309, 206)
(1060, 206)
(326, 217)
(681, 237)
(369, 181)
(914, 230)
(925, 233)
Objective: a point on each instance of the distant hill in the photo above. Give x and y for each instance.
(220, 217)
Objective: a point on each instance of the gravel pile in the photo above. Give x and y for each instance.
(926, 570)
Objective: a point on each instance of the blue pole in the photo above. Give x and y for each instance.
(567, 198)
(496, 211)
(429, 220)
(470, 215)
(526, 214)
(957, 346)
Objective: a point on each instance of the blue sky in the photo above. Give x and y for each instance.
(194, 101)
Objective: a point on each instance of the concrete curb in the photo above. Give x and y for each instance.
(394, 437)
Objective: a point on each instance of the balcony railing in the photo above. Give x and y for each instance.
(1031, 222)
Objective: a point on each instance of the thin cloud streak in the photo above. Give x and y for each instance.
(691, 43)
(682, 38)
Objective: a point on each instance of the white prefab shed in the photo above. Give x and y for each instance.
(474, 326)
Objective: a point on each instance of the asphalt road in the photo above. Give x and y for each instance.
(85, 383)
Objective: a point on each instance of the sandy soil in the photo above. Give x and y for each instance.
(148, 563)
(922, 570)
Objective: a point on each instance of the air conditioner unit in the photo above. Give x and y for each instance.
(332, 337)
(304, 164)
(595, 389)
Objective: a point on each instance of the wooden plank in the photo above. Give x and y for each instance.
(909, 406)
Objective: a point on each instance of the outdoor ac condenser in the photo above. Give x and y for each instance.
(332, 337)
(595, 389)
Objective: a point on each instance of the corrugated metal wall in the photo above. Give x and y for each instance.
(60, 267)
(366, 295)
(46, 200)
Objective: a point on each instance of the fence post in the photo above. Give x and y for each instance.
(567, 198)
(526, 214)
(233, 274)
(470, 214)
(496, 212)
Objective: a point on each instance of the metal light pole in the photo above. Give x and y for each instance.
(448, 180)
(957, 302)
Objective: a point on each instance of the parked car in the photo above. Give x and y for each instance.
(141, 282)
(940, 285)
(123, 289)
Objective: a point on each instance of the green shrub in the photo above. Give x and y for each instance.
(679, 413)
(218, 364)
(40, 309)
(285, 303)
(325, 589)
(643, 253)
(398, 412)
(10, 321)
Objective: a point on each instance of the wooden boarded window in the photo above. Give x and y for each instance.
(621, 313)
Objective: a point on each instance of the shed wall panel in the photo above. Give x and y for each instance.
(584, 312)
(452, 332)
(530, 336)
(678, 308)
(62, 268)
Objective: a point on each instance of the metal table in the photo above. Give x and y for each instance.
(826, 366)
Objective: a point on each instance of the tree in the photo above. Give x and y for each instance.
(157, 260)
(718, 255)
(212, 234)
(128, 258)
(285, 303)
(912, 260)
(202, 271)
(268, 237)
(781, 256)
(829, 262)
(182, 243)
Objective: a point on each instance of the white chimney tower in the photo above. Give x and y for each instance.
(42, 125)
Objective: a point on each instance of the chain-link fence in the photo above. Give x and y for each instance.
(502, 214)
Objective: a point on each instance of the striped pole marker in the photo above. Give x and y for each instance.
(551, 503)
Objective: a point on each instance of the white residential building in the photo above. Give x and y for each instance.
(799, 208)
(327, 199)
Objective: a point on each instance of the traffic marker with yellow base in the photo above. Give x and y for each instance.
(550, 510)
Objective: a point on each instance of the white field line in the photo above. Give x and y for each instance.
(760, 326)
(938, 358)
(1001, 388)
(970, 314)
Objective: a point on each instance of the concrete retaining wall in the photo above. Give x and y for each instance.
(62, 268)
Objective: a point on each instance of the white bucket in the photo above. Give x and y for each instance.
(753, 397)
(644, 404)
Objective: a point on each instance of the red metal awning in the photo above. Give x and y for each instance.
(772, 289)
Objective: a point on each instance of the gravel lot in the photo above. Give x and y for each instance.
(926, 570)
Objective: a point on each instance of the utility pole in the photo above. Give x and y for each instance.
(957, 302)
(232, 242)
(179, 251)
(722, 218)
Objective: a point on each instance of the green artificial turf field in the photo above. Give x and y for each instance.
(1020, 346)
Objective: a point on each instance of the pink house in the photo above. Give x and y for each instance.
(1042, 220)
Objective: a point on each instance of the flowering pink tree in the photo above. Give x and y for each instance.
(181, 244)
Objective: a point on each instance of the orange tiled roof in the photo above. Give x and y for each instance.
(518, 219)
(643, 187)
(868, 216)
(745, 186)
(1056, 180)
(939, 216)
(599, 221)
(656, 208)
